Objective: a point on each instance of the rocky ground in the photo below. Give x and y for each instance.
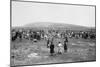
(30, 53)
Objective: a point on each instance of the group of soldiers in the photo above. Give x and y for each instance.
(82, 34)
(25, 34)
(65, 36)
(41, 34)
(49, 36)
(59, 46)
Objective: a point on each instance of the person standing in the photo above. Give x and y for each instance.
(65, 44)
(66, 39)
(60, 48)
(51, 48)
(48, 43)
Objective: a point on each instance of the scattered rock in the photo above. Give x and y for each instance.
(91, 44)
(74, 44)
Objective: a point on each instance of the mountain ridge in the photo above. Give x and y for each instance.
(57, 25)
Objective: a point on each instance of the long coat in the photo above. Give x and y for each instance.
(65, 46)
(51, 48)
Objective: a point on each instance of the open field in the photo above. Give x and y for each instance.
(30, 53)
(51, 33)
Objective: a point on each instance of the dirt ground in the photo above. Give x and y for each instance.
(30, 53)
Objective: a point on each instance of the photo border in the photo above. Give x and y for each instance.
(48, 3)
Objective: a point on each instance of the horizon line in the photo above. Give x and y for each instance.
(51, 22)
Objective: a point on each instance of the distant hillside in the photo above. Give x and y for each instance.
(56, 26)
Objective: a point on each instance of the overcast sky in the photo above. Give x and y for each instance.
(27, 12)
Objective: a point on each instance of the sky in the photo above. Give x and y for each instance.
(26, 12)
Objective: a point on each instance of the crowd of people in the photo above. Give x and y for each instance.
(49, 35)
(41, 34)
(60, 46)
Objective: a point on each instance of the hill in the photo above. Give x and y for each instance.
(57, 26)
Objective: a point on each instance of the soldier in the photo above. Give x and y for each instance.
(52, 49)
(65, 46)
(48, 43)
(60, 48)
(14, 36)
